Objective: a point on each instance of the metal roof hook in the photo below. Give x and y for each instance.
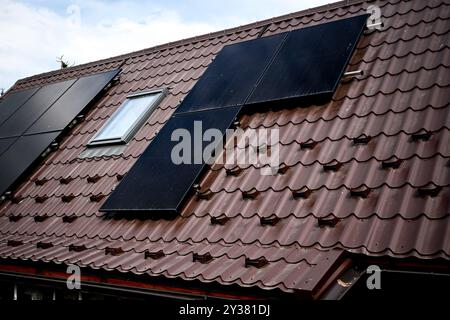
(7, 195)
(376, 25)
(354, 73)
(54, 146)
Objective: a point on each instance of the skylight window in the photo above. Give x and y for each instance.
(128, 119)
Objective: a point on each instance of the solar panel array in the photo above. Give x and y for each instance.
(27, 114)
(30, 120)
(290, 66)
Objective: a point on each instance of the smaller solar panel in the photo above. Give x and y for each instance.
(310, 62)
(13, 101)
(33, 108)
(20, 155)
(74, 100)
(232, 75)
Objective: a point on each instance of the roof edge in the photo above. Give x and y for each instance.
(194, 39)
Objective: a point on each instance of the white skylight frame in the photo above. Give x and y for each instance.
(134, 126)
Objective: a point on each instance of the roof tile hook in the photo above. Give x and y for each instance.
(282, 168)
(362, 139)
(202, 258)
(333, 165)
(14, 243)
(41, 218)
(96, 197)
(77, 248)
(269, 221)
(93, 179)
(40, 199)
(205, 195)
(15, 218)
(17, 199)
(67, 198)
(361, 192)
(302, 193)
(393, 162)
(154, 255)
(257, 263)
(69, 219)
(113, 251)
(44, 245)
(40, 182)
(328, 221)
(421, 135)
(250, 194)
(65, 180)
(309, 144)
(220, 220)
(429, 190)
(236, 171)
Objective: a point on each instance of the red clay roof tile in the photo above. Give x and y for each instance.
(404, 89)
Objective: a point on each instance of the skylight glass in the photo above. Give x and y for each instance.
(125, 122)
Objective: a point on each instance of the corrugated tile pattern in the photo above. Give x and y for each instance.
(385, 135)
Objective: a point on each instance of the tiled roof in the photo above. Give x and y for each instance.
(386, 133)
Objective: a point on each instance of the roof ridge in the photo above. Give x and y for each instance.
(194, 39)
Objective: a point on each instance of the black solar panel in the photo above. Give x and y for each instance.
(155, 183)
(18, 158)
(52, 108)
(310, 62)
(31, 110)
(5, 143)
(80, 94)
(12, 101)
(232, 75)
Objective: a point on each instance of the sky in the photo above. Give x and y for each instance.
(34, 33)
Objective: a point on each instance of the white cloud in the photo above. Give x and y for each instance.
(33, 36)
